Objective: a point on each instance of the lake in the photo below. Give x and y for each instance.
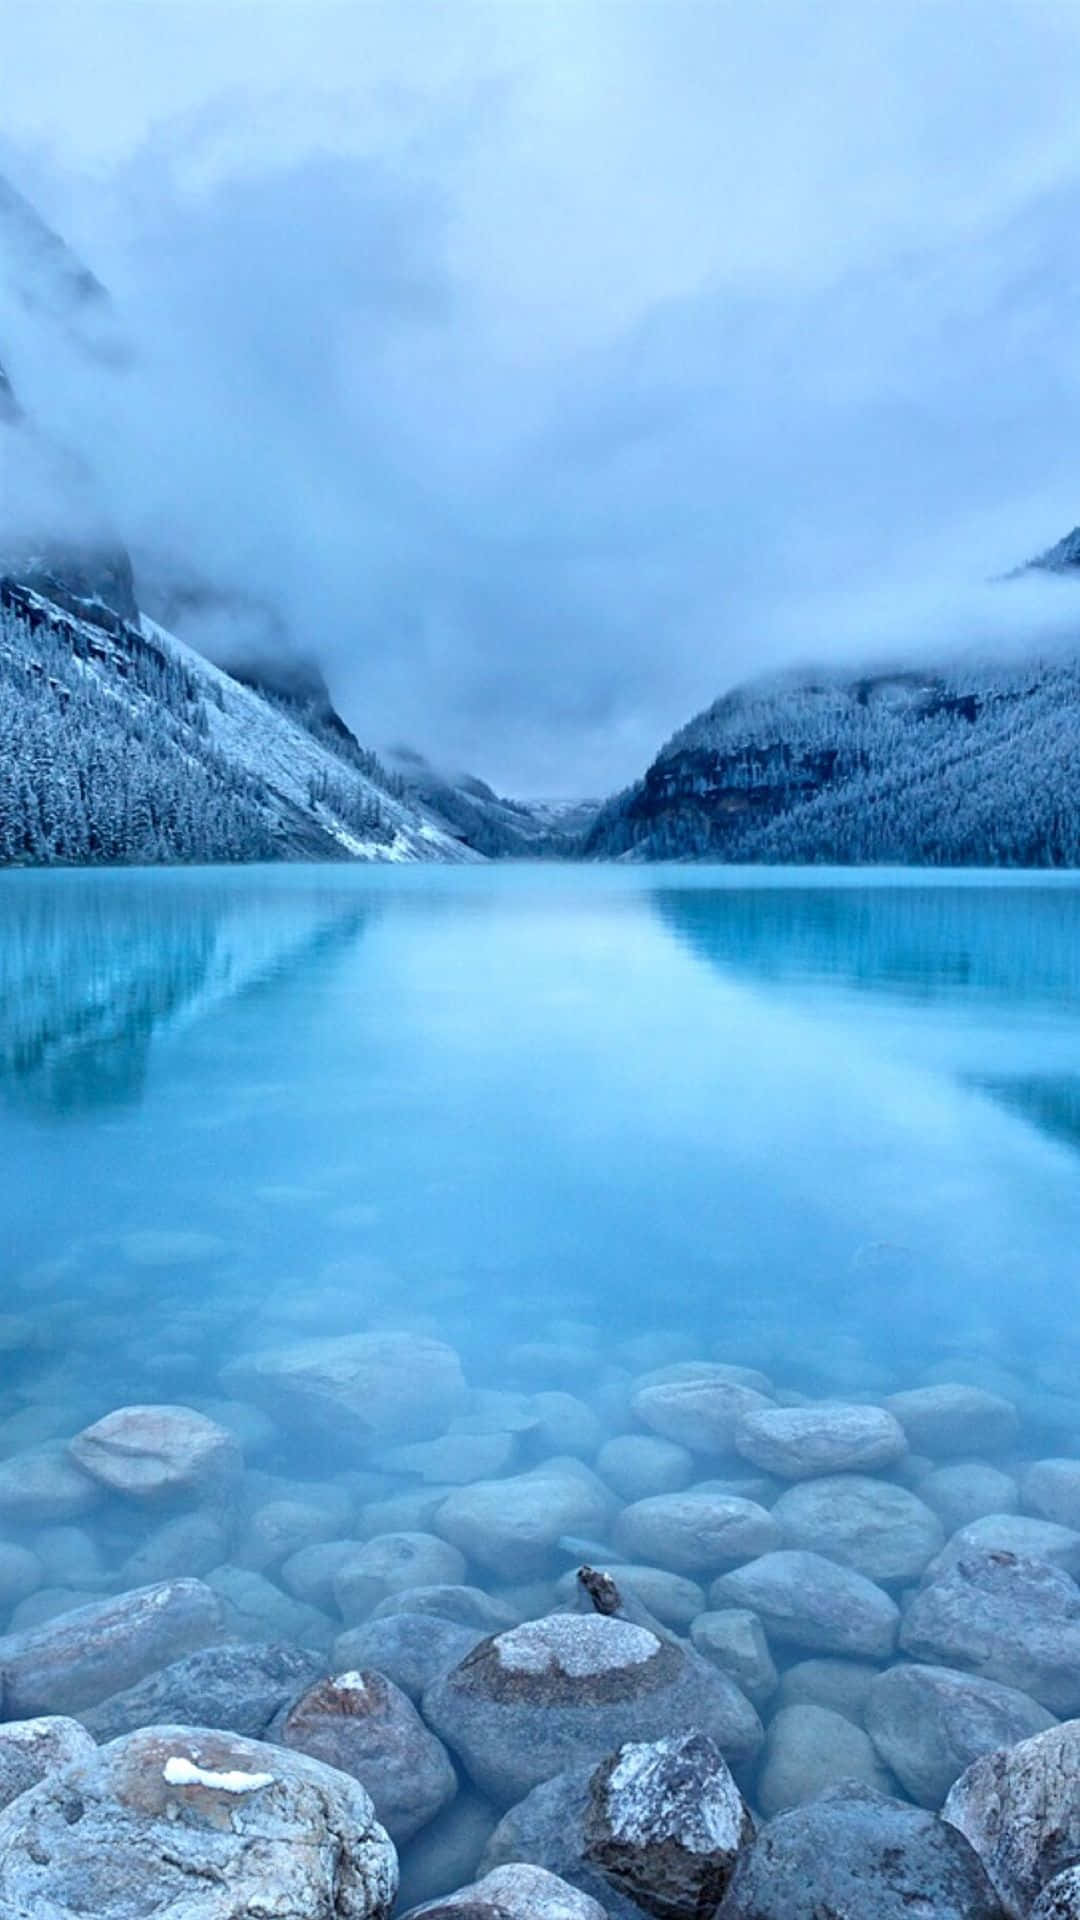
(823, 1121)
(494, 1214)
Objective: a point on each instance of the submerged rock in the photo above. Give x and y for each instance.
(965, 1490)
(1051, 1488)
(700, 1413)
(412, 1649)
(236, 1687)
(879, 1529)
(81, 1658)
(953, 1419)
(173, 1821)
(527, 1703)
(1006, 1618)
(828, 1437)
(929, 1723)
(356, 1388)
(392, 1563)
(511, 1526)
(734, 1641)
(43, 1486)
(694, 1532)
(843, 1685)
(1016, 1533)
(1020, 1809)
(804, 1600)
(364, 1725)
(547, 1829)
(857, 1855)
(665, 1822)
(638, 1465)
(446, 1853)
(32, 1749)
(157, 1452)
(809, 1749)
(256, 1609)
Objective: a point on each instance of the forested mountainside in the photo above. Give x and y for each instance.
(964, 767)
(495, 826)
(119, 743)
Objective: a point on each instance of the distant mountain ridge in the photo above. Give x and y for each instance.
(966, 766)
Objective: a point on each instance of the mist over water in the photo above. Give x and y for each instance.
(772, 1116)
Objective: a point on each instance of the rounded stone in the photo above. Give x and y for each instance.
(527, 1703)
(187, 1820)
(466, 1606)
(698, 1413)
(356, 1388)
(157, 1452)
(804, 1600)
(412, 1649)
(391, 1563)
(695, 1532)
(21, 1573)
(797, 1443)
(810, 1749)
(79, 1658)
(512, 1526)
(237, 1687)
(638, 1465)
(1008, 1619)
(952, 1418)
(966, 1490)
(1051, 1488)
(514, 1892)
(929, 1723)
(43, 1486)
(879, 1529)
(361, 1723)
(859, 1855)
(843, 1685)
(1016, 1533)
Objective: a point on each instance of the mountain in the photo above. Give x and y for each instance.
(493, 825)
(121, 743)
(966, 766)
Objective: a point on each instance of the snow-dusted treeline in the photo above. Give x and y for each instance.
(970, 767)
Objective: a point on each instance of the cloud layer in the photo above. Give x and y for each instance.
(553, 366)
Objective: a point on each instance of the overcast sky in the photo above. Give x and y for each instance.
(555, 365)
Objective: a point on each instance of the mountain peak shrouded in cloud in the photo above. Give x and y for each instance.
(546, 370)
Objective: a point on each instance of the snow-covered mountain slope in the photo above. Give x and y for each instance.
(120, 743)
(973, 765)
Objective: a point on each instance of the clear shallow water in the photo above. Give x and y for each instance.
(828, 1124)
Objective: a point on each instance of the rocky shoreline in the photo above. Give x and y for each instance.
(361, 1634)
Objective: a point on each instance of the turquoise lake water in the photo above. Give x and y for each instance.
(828, 1124)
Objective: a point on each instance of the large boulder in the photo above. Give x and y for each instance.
(809, 1749)
(513, 1892)
(695, 1532)
(880, 1529)
(929, 1723)
(1005, 1618)
(804, 1600)
(547, 1829)
(855, 1854)
(157, 1452)
(796, 1443)
(512, 1526)
(364, 1725)
(181, 1821)
(236, 1687)
(1020, 1809)
(357, 1387)
(79, 1658)
(665, 1822)
(699, 1413)
(527, 1703)
(952, 1419)
(30, 1749)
